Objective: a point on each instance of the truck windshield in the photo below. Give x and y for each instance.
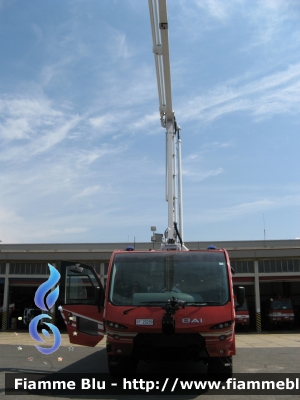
(154, 277)
(281, 305)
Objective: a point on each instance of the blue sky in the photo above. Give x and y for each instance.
(82, 155)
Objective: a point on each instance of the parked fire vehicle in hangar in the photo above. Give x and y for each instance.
(242, 317)
(280, 312)
(168, 303)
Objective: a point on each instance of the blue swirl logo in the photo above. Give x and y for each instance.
(40, 303)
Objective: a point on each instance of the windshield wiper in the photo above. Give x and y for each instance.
(129, 309)
(147, 303)
(203, 303)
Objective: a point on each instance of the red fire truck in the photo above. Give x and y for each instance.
(242, 317)
(157, 305)
(280, 312)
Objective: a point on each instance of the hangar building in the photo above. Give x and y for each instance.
(265, 268)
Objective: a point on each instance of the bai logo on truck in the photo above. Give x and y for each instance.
(191, 321)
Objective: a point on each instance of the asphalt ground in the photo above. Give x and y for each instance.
(276, 352)
(243, 340)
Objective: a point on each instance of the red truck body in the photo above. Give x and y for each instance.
(156, 305)
(242, 317)
(280, 312)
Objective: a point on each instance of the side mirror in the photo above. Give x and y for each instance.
(240, 296)
(76, 268)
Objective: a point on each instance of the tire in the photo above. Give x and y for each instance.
(119, 366)
(220, 366)
(269, 326)
(291, 326)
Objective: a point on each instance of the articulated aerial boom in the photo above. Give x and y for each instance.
(159, 25)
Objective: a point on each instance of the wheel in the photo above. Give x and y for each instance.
(291, 326)
(220, 366)
(269, 326)
(120, 366)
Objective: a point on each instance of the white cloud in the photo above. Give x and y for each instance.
(216, 8)
(20, 116)
(8, 216)
(269, 19)
(105, 123)
(195, 165)
(276, 93)
(43, 141)
(246, 209)
(62, 231)
(206, 15)
(88, 191)
(121, 48)
(86, 157)
(143, 123)
(197, 175)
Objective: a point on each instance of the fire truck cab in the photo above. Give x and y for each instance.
(280, 312)
(242, 317)
(157, 305)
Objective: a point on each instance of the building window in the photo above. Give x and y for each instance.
(2, 268)
(290, 266)
(243, 266)
(285, 265)
(278, 265)
(273, 265)
(97, 266)
(106, 264)
(29, 268)
(251, 267)
(267, 266)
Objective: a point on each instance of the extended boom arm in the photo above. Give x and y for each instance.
(159, 25)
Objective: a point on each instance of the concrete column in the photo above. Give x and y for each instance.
(257, 297)
(4, 324)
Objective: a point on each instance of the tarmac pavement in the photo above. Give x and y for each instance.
(276, 352)
(243, 340)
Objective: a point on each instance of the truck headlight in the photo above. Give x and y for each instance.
(115, 325)
(222, 325)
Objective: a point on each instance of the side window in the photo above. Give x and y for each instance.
(81, 285)
(76, 288)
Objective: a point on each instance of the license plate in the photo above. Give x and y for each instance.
(144, 321)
